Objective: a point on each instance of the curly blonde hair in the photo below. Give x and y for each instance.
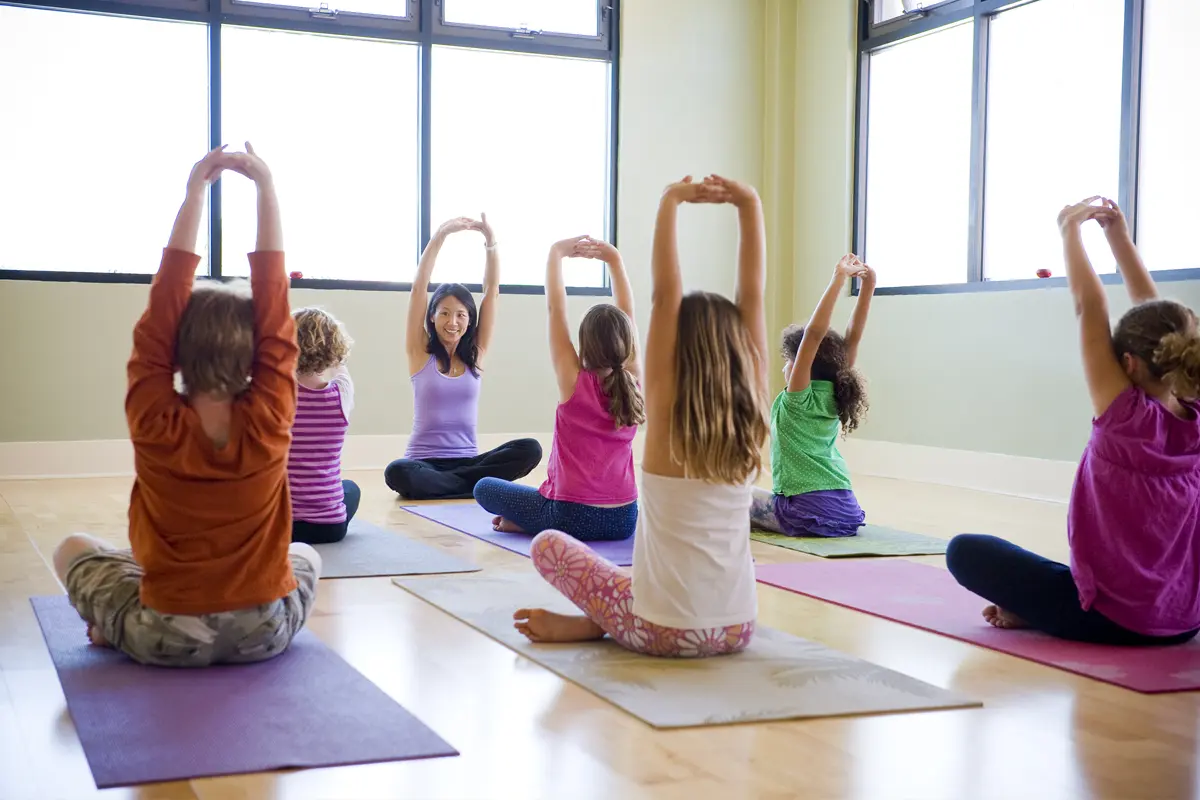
(719, 422)
(214, 346)
(323, 340)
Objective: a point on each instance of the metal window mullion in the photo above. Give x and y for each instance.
(614, 91)
(979, 103)
(862, 128)
(1131, 117)
(425, 125)
(214, 137)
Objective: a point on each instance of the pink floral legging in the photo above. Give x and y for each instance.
(603, 591)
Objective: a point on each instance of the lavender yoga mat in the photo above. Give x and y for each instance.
(304, 708)
(471, 519)
(929, 598)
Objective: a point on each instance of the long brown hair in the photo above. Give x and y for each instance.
(831, 364)
(719, 422)
(1162, 333)
(607, 342)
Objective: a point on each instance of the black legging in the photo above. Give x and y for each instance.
(455, 478)
(1039, 591)
(329, 532)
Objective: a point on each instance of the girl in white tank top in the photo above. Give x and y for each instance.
(691, 591)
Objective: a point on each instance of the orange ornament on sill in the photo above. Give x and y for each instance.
(294, 275)
(1043, 273)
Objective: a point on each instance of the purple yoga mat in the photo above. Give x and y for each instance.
(304, 708)
(471, 519)
(929, 598)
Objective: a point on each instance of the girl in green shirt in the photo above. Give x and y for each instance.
(824, 398)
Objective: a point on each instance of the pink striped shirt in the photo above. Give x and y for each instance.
(315, 460)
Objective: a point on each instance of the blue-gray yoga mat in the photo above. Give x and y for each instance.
(304, 708)
(369, 550)
(471, 519)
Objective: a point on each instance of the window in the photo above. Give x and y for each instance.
(919, 159)
(1167, 201)
(346, 165)
(379, 119)
(979, 120)
(92, 141)
(1049, 142)
(525, 139)
(574, 17)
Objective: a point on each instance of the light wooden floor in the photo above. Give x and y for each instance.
(525, 733)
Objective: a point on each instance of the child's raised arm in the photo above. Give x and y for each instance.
(273, 383)
(1137, 278)
(858, 320)
(621, 288)
(563, 356)
(818, 324)
(151, 368)
(1105, 377)
(491, 287)
(752, 262)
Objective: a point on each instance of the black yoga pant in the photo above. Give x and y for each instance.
(455, 478)
(329, 532)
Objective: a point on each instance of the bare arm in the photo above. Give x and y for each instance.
(622, 290)
(491, 287)
(415, 337)
(666, 295)
(1137, 278)
(818, 324)
(752, 266)
(563, 356)
(1105, 377)
(858, 320)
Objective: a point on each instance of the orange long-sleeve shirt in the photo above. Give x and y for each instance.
(210, 527)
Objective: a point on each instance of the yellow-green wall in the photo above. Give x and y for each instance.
(691, 100)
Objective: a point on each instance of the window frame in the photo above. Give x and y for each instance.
(873, 37)
(423, 26)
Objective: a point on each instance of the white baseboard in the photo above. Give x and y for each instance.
(1035, 478)
(1020, 476)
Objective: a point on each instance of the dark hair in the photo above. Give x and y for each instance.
(607, 341)
(468, 346)
(1162, 333)
(849, 388)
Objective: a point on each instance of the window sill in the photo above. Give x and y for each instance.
(1160, 276)
(297, 283)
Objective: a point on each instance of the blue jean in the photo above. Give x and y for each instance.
(1040, 591)
(525, 507)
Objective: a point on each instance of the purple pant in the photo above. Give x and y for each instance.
(832, 513)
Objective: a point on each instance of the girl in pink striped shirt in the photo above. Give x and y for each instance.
(322, 503)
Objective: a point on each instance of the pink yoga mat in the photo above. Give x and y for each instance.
(929, 598)
(472, 520)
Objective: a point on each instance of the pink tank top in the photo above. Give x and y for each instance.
(591, 460)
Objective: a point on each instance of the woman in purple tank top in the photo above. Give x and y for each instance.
(590, 490)
(1134, 520)
(446, 339)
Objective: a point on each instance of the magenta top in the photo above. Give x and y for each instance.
(315, 457)
(445, 411)
(591, 460)
(1134, 517)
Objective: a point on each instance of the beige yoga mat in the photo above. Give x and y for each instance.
(872, 540)
(369, 550)
(778, 677)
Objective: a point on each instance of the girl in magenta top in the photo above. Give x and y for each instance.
(1134, 518)
(591, 491)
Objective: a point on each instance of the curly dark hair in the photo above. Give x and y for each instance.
(830, 364)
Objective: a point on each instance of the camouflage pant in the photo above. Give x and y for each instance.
(104, 587)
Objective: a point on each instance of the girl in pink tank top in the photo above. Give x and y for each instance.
(590, 491)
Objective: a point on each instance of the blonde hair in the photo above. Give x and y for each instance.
(607, 341)
(214, 346)
(719, 422)
(323, 341)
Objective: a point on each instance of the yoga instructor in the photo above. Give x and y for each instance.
(446, 339)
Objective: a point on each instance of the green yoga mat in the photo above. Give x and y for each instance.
(871, 540)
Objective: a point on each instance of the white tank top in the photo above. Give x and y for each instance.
(691, 556)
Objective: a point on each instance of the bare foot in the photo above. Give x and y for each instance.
(96, 637)
(1003, 619)
(506, 526)
(539, 625)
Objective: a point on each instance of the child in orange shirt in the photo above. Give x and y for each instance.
(212, 576)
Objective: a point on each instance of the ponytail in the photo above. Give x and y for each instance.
(1178, 358)
(850, 395)
(625, 402)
